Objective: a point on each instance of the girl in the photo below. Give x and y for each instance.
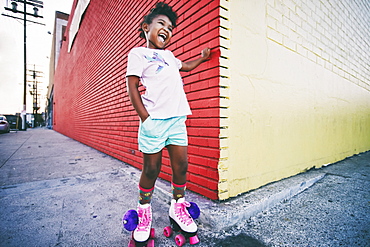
(162, 111)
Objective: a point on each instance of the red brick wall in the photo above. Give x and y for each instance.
(90, 94)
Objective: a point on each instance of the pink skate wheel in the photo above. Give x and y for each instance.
(152, 233)
(131, 243)
(180, 240)
(150, 243)
(167, 231)
(194, 240)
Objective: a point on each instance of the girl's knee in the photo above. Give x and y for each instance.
(182, 168)
(151, 171)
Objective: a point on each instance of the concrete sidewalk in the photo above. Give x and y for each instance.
(57, 191)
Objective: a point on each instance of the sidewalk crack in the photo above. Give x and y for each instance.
(15, 152)
(60, 233)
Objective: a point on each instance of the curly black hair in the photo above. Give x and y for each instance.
(160, 9)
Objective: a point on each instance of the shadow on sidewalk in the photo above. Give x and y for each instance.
(241, 240)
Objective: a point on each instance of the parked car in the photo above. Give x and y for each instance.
(4, 125)
(14, 121)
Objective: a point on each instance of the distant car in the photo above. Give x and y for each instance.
(4, 125)
(14, 121)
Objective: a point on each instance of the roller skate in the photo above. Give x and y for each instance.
(140, 222)
(181, 216)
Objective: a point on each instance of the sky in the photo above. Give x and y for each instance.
(38, 53)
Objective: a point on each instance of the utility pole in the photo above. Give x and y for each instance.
(35, 94)
(36, 5)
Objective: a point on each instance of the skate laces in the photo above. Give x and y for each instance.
(145, 218)
(182, 213)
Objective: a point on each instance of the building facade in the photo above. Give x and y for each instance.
(60, 26)
(297, 85)
(287, 88)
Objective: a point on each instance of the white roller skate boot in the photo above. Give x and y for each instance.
(180, 215)
(143, 229)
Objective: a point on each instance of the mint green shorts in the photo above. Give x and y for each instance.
(155, 134)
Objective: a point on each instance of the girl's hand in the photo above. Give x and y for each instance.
(206, 52)
(190, 65)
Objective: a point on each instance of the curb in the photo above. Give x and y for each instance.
(225, 214)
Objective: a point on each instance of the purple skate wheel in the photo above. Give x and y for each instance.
(130, 220)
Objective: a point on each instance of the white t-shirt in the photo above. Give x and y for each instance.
(159, 72)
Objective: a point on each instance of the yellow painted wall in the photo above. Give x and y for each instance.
(296, 82)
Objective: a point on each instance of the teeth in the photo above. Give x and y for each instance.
(163, 37)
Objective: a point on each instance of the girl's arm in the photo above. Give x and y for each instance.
(187, 66)
(134, 94)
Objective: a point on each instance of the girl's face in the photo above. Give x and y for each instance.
(159, 32)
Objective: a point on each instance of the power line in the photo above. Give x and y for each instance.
(14, 8)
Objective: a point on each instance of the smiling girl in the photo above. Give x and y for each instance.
(162, 110)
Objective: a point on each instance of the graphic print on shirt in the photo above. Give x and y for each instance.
(157, 59)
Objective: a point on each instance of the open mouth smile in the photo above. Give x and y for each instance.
(162, 37)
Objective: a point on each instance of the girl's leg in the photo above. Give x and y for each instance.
(179, 164)
(151, 169)
(178, 211)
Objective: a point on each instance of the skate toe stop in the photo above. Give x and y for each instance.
(194, 240)
(130, 220)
